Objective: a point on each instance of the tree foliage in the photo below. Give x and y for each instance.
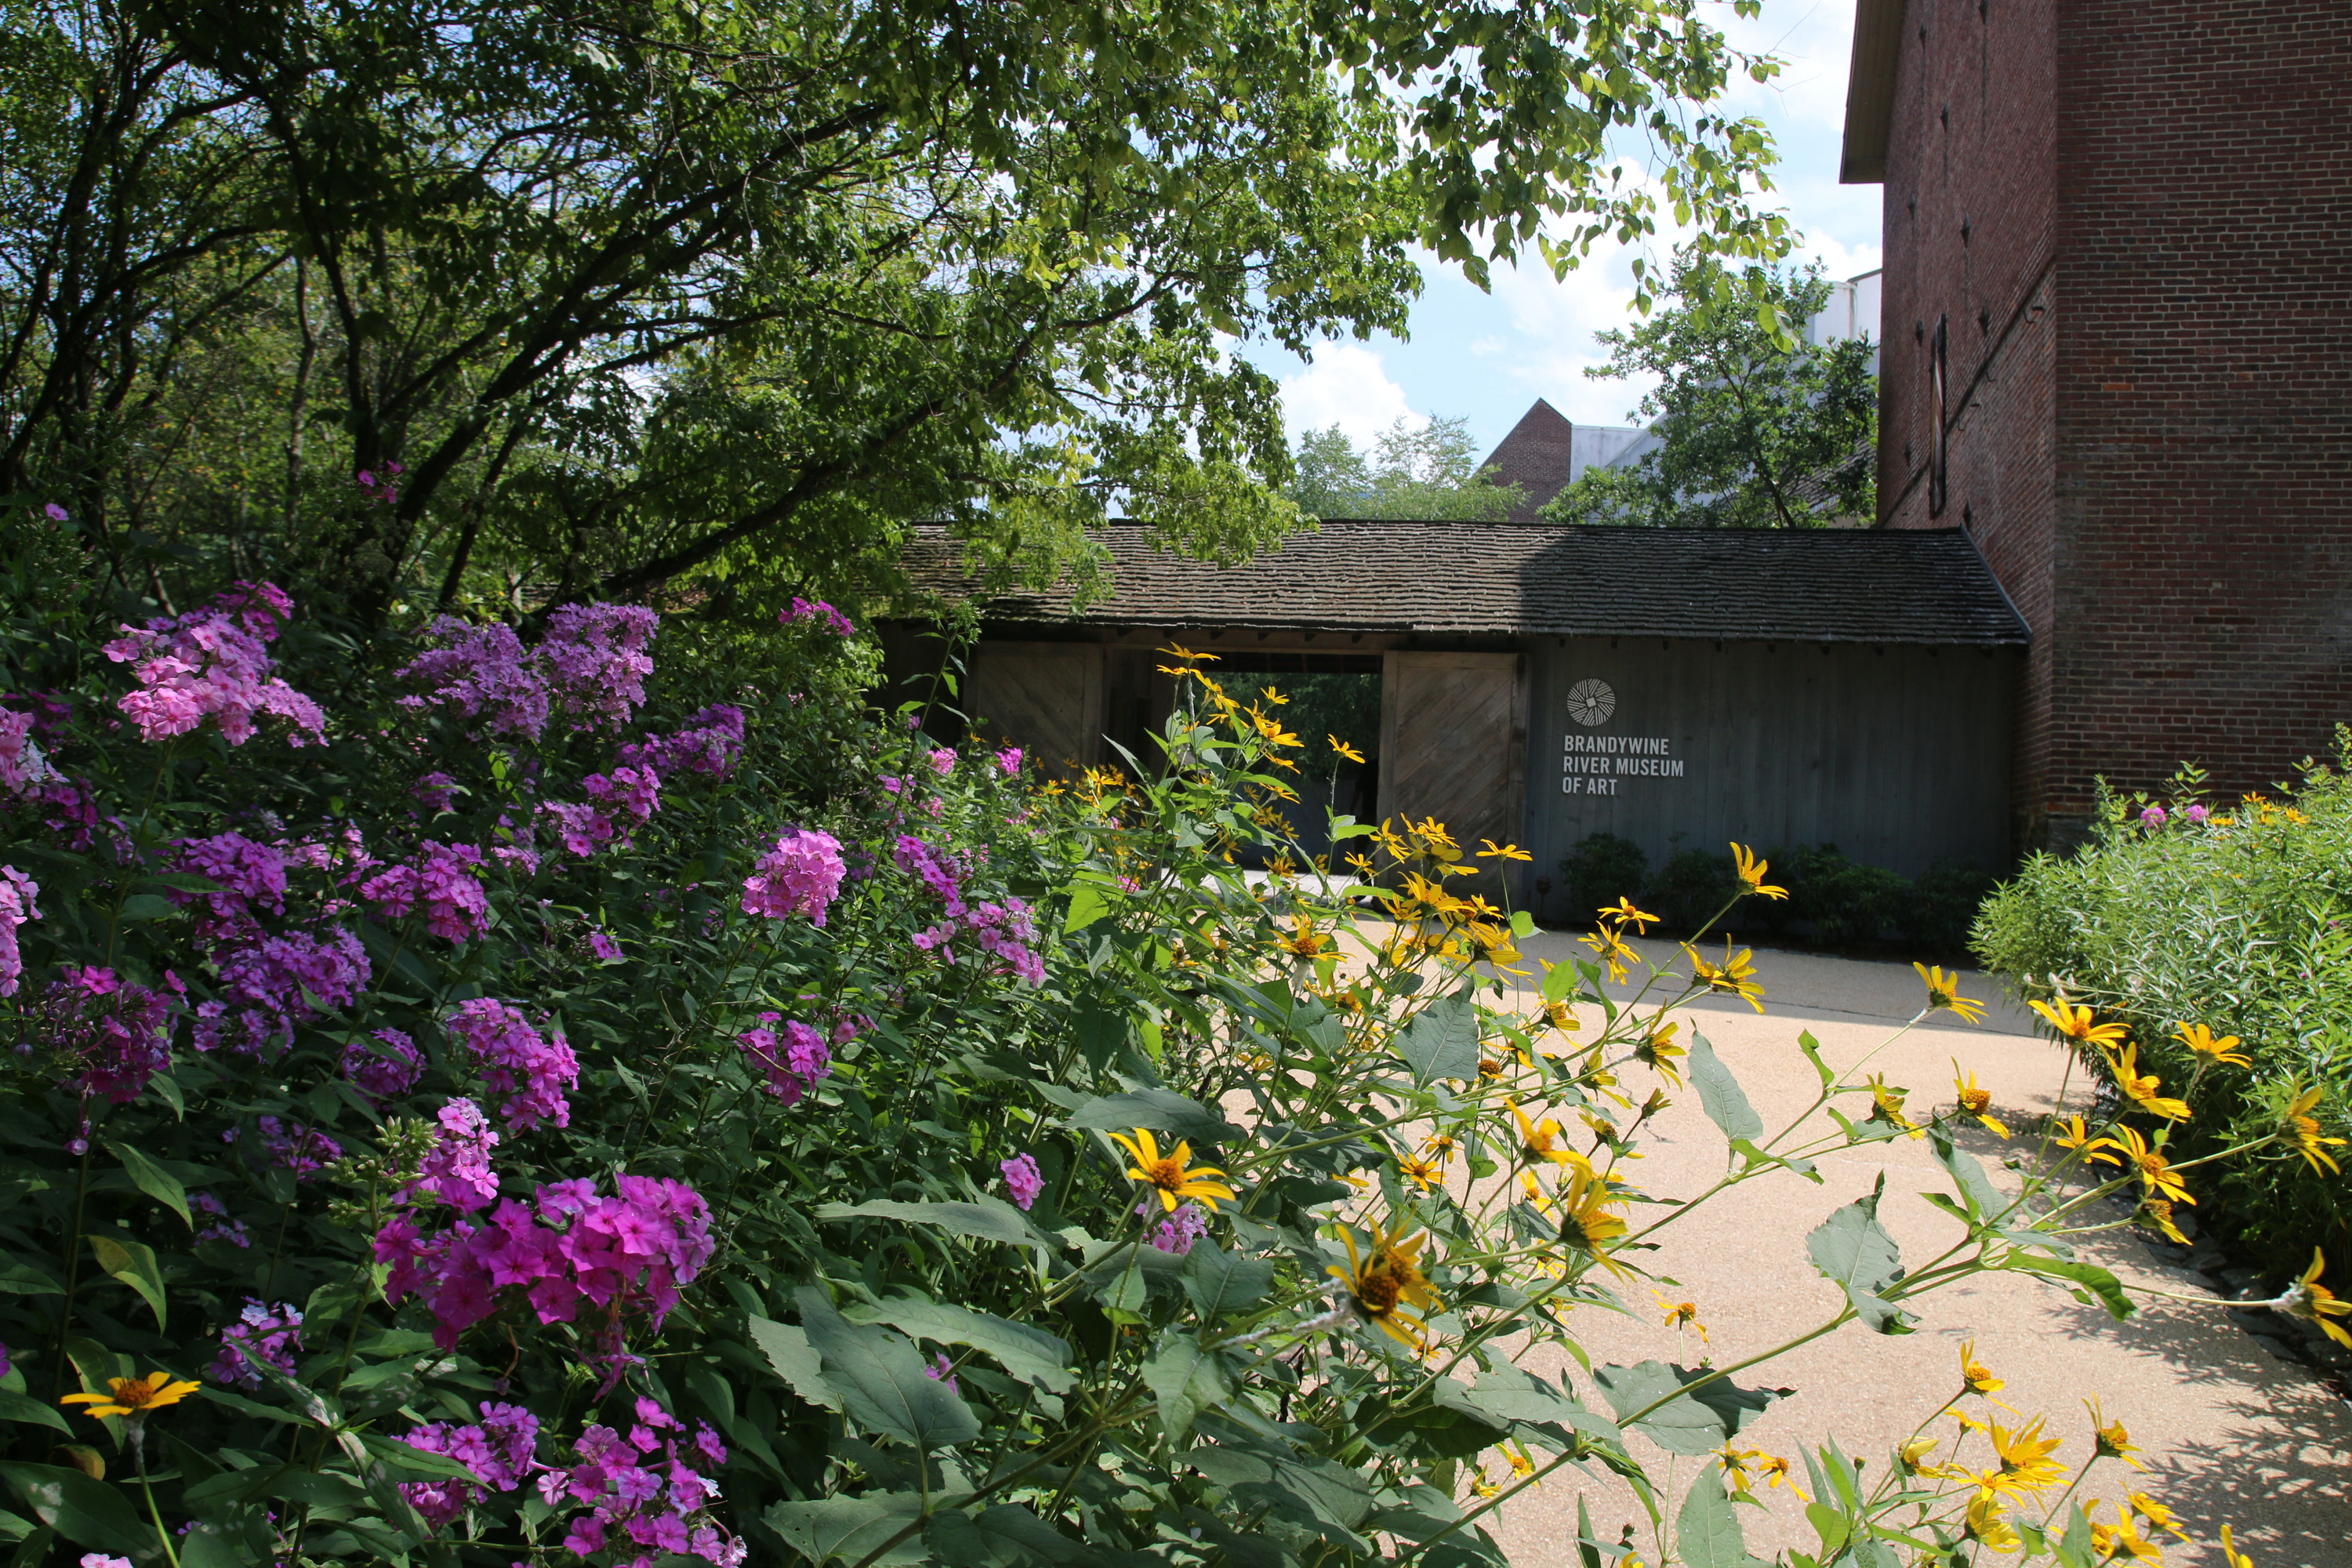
(1425, 471)
(619, 298)
(1754, 429)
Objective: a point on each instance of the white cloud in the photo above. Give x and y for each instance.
(1348, 386)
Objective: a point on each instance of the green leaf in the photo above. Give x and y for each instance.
(1693, 1421)
(1029, 1355)
(1559, 982)
(1087, 905)
(986, 1219)
(1186, 1379)
(788, 1350)
(2095, 1283)
(1221, 1282)
(1984, 1199)
(884, 1384)
(148, 907)
(1442, 1041)
(2075, 1549)
(24, 1280)
(1854, 1252)
(1706, 1531)
(850, 1528)
(85, 1512)
(1161, 1110)
(1523, 924)
(19, 1408)
(133, 1263)
(1719, 1094)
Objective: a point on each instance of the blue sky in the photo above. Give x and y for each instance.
(1486, 356)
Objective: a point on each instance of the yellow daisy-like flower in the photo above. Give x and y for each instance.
(1494, 851)
(1976, 1101)
(1886, 1106)
(2025, 1455)
(2302, 1128)
(2231, 1556)
(2112, 1440)
(1751, 874)
(1774, 1469)
(1985, 1524)
(1622, 913)
(2154, 1169)
(1585, 1222)
(1735, 976)
(1344, 748)
(1975, 1376)
(2073, 1023)
(1539, 1142)
(1944, 994)
(1427, 1174)
(2121, 1541)
(1495, 942)
(1385, 1282)
(2200, 1038)
(1913, 1458)
(2074, 1137)
(1172, 1175)
(1659, 1052)
(1522, 1466)
(1304, 941)
(1560, 1017)
(133, 1396)
(2159, 1213)
(1441, 1145)
(2141, 1087)
(1613, 952)
(2157, 1514)
(1682, 1315)
(2315, 1303)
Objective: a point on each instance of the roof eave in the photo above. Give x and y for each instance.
(1870, 91)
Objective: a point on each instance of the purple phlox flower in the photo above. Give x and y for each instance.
(295, 1145)
(436, 793)
(706, 1438)
(17, 892)
(939, 872)
(709, 743)
(7, 1366)
(591, 665)
(1008, 760)
(457, 1170)
(633, 791)
(261, 1336)
(2152, 817)
(800, 876)
(1180, 1229)
(281, 977)
(117, 1033)
(99, 1559)
(529, 1070)
(23, 767)
(499, 1451)
(939, 1369)
(212, 663)
(606, 950)
(384, 1067)
(217, 1225)
(942, 762)
(582, 829)
(445, 880)
(790, 1055)
(817, 613)
(1022, 1179)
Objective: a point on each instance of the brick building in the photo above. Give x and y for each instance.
(2117, 351)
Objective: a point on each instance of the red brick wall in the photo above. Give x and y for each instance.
(2151, 347)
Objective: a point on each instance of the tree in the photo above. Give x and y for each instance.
(1754, 429)
(706, 301)
(1426, 472)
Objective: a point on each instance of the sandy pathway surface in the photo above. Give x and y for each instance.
(2232, 1434)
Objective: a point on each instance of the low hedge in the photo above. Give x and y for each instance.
(2187, 910)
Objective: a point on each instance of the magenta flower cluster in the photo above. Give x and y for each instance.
(591, 665)
(499, 1451)
(261, 1336)
(644, 1488)
(384, 1066)
(1022, 1179)
(527, 1070)
(214, 663)
(457, 1170)
(815, 613)
(800, 876)
(568, 1249)
(115, 1035)
(17, 910)
(217, 1225)
(790, 1055)
(23, 769)
(709, 742)
(442, 880)
(292, 1145)
(1180, 1230)
(1005, 930)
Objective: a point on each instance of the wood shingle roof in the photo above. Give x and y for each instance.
(1475, 579)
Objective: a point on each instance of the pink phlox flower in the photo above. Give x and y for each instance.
(800, 876)
(1008, 760)
(2193, 812)
(217, 1225)
(1022, 1179)
(636, 1486)
(297, 1146)
(262, 1335)
(17, 910)
(941, 1370)
(791, 1056)
(2152, 817)
(582, 829)
(817, 613)
(707, 1445)
(119, 1034)
(942, 762)
(444, 880)
(595, 659)
(709, 743)
(1180, 1229)
(586, 1535)
(893, 784)
(457, 1170)
(606, 948)
(212, 663)
(635, 791)
(651, 1414)
(435, 792)
(499, 1452)
(516, 1061)
(23, 767)
(384, 1067)
(936, 872)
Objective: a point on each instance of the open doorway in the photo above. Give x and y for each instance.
(1328, 697)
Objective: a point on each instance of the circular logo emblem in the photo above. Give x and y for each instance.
(1590, 702)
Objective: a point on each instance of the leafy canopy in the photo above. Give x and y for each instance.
(1413, 471)
(1754, 429)
(710, 301)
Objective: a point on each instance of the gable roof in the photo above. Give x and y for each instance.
(1537, 456)
(1921, 586)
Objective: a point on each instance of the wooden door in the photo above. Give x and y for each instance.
(1045, 698)
(1453, 746)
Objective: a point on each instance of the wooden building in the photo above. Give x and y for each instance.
(1539, 684)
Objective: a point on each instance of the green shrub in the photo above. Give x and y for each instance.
(2233, 917)
(1856, 904)
(1600, 871)
(1943, 907)
(1803, 870)
(1691, 888)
